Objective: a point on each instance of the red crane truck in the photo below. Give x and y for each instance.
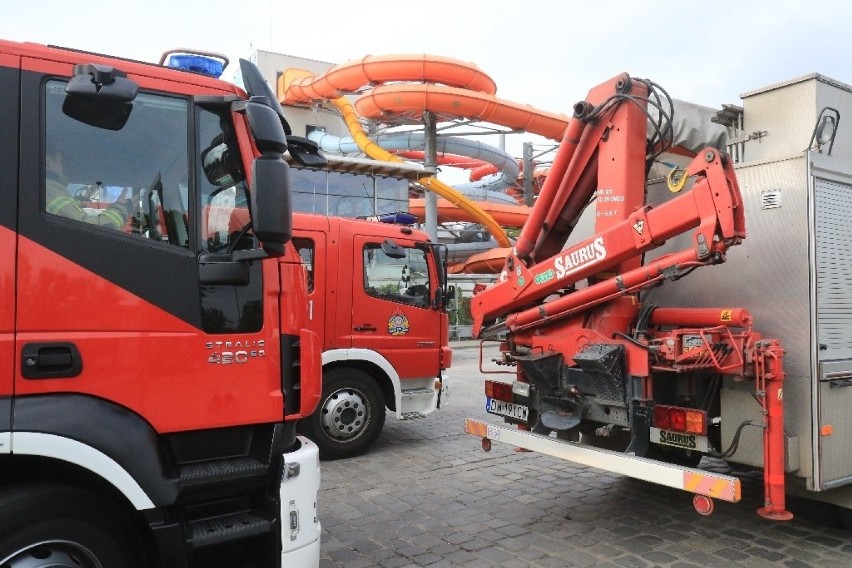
(604, 376)
(155, 364)
(377, 298)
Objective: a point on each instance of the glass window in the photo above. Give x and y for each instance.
(309, 190)
(344, 194)
(395, 189)
(392, 195)
(224, 201)
(306, 250)
(404, 280)
(132, 177)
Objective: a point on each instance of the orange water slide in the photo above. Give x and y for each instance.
(371, 70)
(412, 100)
(487, 262)
(448, 87)
(512, 216)
(482, 171)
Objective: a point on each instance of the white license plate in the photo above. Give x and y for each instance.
(680, 440)
(507, 409)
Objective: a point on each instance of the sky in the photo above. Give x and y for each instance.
(547, 54)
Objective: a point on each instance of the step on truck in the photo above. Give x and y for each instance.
(628, 312)
(155, 365)
(377, 298)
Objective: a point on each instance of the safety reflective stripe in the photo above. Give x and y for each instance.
(109, 216)
(711, 486)
(716, 485)
(476, 428)
(113, 217)
(58, 203)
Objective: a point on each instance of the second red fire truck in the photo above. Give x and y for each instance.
(377, 298)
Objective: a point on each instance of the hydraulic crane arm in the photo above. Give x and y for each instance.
(605, 163)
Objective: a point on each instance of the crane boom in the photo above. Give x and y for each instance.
(603, 157)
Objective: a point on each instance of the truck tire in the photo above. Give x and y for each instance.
(47, 525)
(349, 417)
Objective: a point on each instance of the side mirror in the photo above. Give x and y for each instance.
(265, 127)
(270, 203)
(443, 297)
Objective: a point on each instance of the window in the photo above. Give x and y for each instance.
(346, 194)
(350, 195)
(403, 280)
(306, 250)
(131, 179)
(392, 195)
(225, 217)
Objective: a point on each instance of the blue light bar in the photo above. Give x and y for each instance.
(197, 64)
(399, 218)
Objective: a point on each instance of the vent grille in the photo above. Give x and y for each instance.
(770, 199)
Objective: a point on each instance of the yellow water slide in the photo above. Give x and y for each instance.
(369, 147)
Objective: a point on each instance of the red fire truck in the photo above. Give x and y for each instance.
(377, 297)
(155, 364)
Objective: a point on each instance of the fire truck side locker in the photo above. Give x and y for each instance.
(792, 273)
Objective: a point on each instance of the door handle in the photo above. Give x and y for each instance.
(365, 327)
(50, 360)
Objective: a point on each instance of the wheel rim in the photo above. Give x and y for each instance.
(52, 554)
(345, 415)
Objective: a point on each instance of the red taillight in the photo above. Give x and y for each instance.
(678, 419)
(498, 390)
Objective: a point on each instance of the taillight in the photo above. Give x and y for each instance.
(678, 419)
(498, 390)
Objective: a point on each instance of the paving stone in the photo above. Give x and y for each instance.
(771, 555)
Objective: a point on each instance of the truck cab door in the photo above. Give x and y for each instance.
(9, 109)
(311, 246)
(391, 307)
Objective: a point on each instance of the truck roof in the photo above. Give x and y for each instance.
(129, 66)
(307, 221)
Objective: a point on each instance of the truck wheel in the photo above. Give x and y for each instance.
(51, 526)
(349, 417)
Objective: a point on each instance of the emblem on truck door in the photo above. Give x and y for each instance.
(398, 324)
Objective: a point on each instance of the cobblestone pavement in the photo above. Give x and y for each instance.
(427, 495)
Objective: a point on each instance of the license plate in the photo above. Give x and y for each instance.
(507, 409)
(680, 440)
